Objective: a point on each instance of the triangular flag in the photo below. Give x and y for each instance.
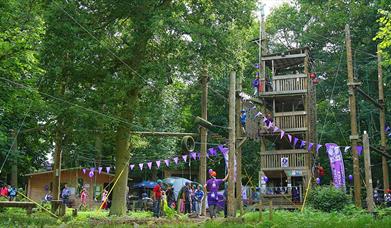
(282, 134)
(310, 146)
(302, 144)
(193, 155)
(158, 163)
(84, 171)
(258, 114)
(131, 167)
(359, 150)
(167, 162)
(141, 165)
(184, 157)
(99, 170)
(290, 138)
(176, 160)
(295, 141)
(91, 174)
(108, 169)
(223, 149)
(92, 169)
(276, 129)
(346, 149)
(318, 147)
(212, 151)
(264, 119)
(149, 164)
(387, 128)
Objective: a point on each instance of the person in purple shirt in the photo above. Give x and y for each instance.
(212, 187)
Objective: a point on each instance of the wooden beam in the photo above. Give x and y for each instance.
(292, 56)
(368, 173)
(369, 98)
(231, 143)
(163, 134)
(380, 151)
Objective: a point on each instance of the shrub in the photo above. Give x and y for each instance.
(327, 199)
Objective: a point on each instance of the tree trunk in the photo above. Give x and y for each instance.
(118, 206)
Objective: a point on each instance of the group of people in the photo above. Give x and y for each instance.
(8, 192)
(386, 199)
(192, 197)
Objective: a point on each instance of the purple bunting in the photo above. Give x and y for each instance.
(84, 170)
(282, 134)
(295, 140)
(149, 164)
(108, 169)
(193, 155)
(198, 155)
(387, 128)
(290, 138)
(318, 147)
(99, 170)
(184, 157)
(310, 146)
(176, 160)
(258, 114)
(92, 169)
(223, 149)
(264, 119)
(276, 129)
(212, 151)
(158, 163)
(302, 144)
(131, 167)
(167, 162)
(346, 149)
(359, 150)
(141, 165)
(91, 174)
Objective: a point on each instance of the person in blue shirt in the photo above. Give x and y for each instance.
(199, 196)
(65, 194)
(243, 117)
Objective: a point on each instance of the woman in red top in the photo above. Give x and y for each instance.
(157, 195)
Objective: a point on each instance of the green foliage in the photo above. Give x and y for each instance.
(327, 198)
(384, 35)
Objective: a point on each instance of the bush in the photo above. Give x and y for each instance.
(327, 199)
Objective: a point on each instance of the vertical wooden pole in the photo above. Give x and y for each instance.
(353, 120)
(308, 117)
(383, 142)
(239, 200)
(368, 173)
(231, 144)
(57, 171)
(204, 134)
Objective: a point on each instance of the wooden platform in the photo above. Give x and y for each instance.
(21, 204)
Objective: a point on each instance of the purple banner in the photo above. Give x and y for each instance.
(336, 164)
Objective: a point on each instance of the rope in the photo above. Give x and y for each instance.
(115, 183)
(39, 205)
(306, 193)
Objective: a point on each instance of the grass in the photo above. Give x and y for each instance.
(350, 217)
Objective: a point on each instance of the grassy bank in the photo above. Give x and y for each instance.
(309, 218)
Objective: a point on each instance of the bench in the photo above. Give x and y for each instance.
(27, 205)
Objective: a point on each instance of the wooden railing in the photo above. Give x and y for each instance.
(285, 84)
(272, 159)
(294, 121)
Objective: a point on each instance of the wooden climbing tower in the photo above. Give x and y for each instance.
(288, 97)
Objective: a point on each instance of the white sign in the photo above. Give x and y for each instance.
(284, 162)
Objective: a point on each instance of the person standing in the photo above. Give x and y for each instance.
(387, 198)
(212, 187)
(157, 196)
(320, 170)
(12, 192)
(186, 196)
(170, 196)
(83, 198)
(104, 199)
(199, 196)
(65, 194)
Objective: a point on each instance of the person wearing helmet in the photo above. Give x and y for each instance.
(212, 187)
(157, 196)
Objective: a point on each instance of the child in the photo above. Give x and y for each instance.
(83, 198)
